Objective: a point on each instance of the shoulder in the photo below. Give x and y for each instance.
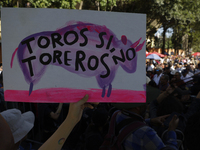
(144, 136)
(146, 131)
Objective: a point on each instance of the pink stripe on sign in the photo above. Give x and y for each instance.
(66, 95)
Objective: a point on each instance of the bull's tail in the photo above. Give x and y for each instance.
(12, 59)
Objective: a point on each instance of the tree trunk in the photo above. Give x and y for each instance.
(164, 33)
(107, 5)
(81, 5)
(70, 4)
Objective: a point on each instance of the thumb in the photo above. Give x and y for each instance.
(174, 117)
(84, 99)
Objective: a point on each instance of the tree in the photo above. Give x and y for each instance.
(187, 16)
(194, 38)
(12, 3)
(69, 4)
(181, 15)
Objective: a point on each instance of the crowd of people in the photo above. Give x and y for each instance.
(168, 120)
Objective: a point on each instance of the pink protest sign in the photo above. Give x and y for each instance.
(90, 57)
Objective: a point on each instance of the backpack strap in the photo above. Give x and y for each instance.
(126, 131)
(126, 126)
(112, 124)
(122, 124)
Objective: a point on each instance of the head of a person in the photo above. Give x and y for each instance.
(20, 123)
(185, 64)
(169, 105)
(159, 70)
(100, 117)
(177, 75)
(151, 94)
(192, 132)
(164, 79)
(6, 137)
(149, 71)
(138, 108)
(184, 72)
(167, 70)
(188, 68)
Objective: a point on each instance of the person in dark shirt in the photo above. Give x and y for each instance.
(164, 82)
(177, 81)
(49, 118)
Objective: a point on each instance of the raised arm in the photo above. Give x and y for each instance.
(57, 140)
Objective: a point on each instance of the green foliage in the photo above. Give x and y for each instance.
(9, 3)
(103, 5)
(69, 4)
(195, 36)
(187, 11)
(181, 15)
(107, 4)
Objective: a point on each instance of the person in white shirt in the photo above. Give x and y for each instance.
(158, 74)
(188, 68)
(1, 68)
(150, 66)
(162, 60)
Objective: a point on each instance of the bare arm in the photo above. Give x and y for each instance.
(164, 94)
(57, 140)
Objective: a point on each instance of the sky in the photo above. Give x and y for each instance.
(168, 33)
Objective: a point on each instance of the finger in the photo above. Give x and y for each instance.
(88, 106)
(160, 123)
(174, 118)
(165, 116)
(162, 119)
(93, 103)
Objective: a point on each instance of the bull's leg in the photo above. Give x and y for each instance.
(103, 91)
(109, 90)
(30, 88)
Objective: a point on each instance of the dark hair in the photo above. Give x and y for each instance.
(184, 71)
(100, 117)
(178, 73)
(192, 132)
(166, 77)
(167, 67)
(169, 105)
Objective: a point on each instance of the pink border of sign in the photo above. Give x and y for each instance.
(66, 95)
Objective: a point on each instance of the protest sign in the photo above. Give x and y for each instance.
(59, 55)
